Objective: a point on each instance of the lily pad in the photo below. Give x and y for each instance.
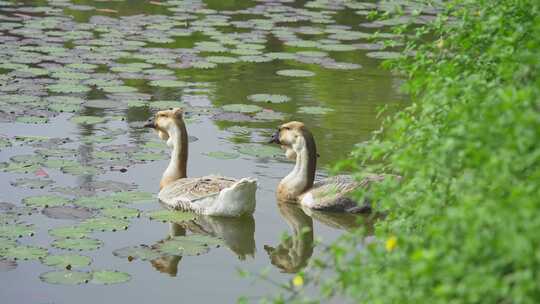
(66, 277)
(315, 110)
(221, 155)
(384, 55)
(25, 253)
(70, 232)
(148, 156)
(170, 216)
(268, 98)
(68, 88)
(82, 244)
(242, 108)
(267, 114)
(107, 277)
(44, 201)
(67, 260)
(32, 119)
(260, 151)
(167, 83)
(80, 170)
(165, 104)
(295, 73)
(142, 252)
(104, 224)
(87, 120)
(121, 212)
(132, 196)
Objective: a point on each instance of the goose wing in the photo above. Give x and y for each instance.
(186, 190)
(333, 194)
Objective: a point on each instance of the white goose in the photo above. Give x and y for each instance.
(209, 195)
(299, 186)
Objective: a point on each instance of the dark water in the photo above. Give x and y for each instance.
(42, 45)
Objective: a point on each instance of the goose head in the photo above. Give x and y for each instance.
(166, 122)
(291, 137)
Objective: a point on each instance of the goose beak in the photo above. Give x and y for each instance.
(275, 138)
(150, 124)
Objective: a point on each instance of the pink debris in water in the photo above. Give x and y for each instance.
(41, 173)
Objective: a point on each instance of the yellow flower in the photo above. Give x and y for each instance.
(298, 281)
(391, 243)
(440, 43)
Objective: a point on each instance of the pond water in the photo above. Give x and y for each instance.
(78, 79)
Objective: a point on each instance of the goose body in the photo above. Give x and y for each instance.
(211, 195)
(208, 195)
(299, 186)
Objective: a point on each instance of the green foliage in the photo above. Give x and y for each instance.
(462, 224)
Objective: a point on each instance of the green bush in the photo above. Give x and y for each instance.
(463, 225)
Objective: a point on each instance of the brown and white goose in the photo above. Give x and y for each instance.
(299, 186)
(208, 195)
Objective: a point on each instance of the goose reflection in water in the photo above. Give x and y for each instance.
(238, 234)
(294, 252)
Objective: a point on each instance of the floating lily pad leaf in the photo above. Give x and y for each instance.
(68, 88)
(188, 245)
(44, 201)
(242, 108)
(87, 120)
(165, 104)
(119, 89)
(170, 216)
(64, 108)
(281, 55)
(68, 213)
(148, 156)
(232, 116)
(203, 65)
(25, 253)
(32, 119)
(267, 114)
(80, 170)
(384, 55)
(32, 183)
(132, 196)
(142, 252)
(295, 73)
(67, 261)
(82, 244)
(315, 110)
(66, 277)
(59, 163)
(82, 66)
(268, 98)
(222, 155)
(65, 100)
(167, 83)
(104, 224)
(70, 75)
(108, 277)
(97, 202)
(261, 151)
(221, 59)
(70, 232)
(18, 167)
(121, 212)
